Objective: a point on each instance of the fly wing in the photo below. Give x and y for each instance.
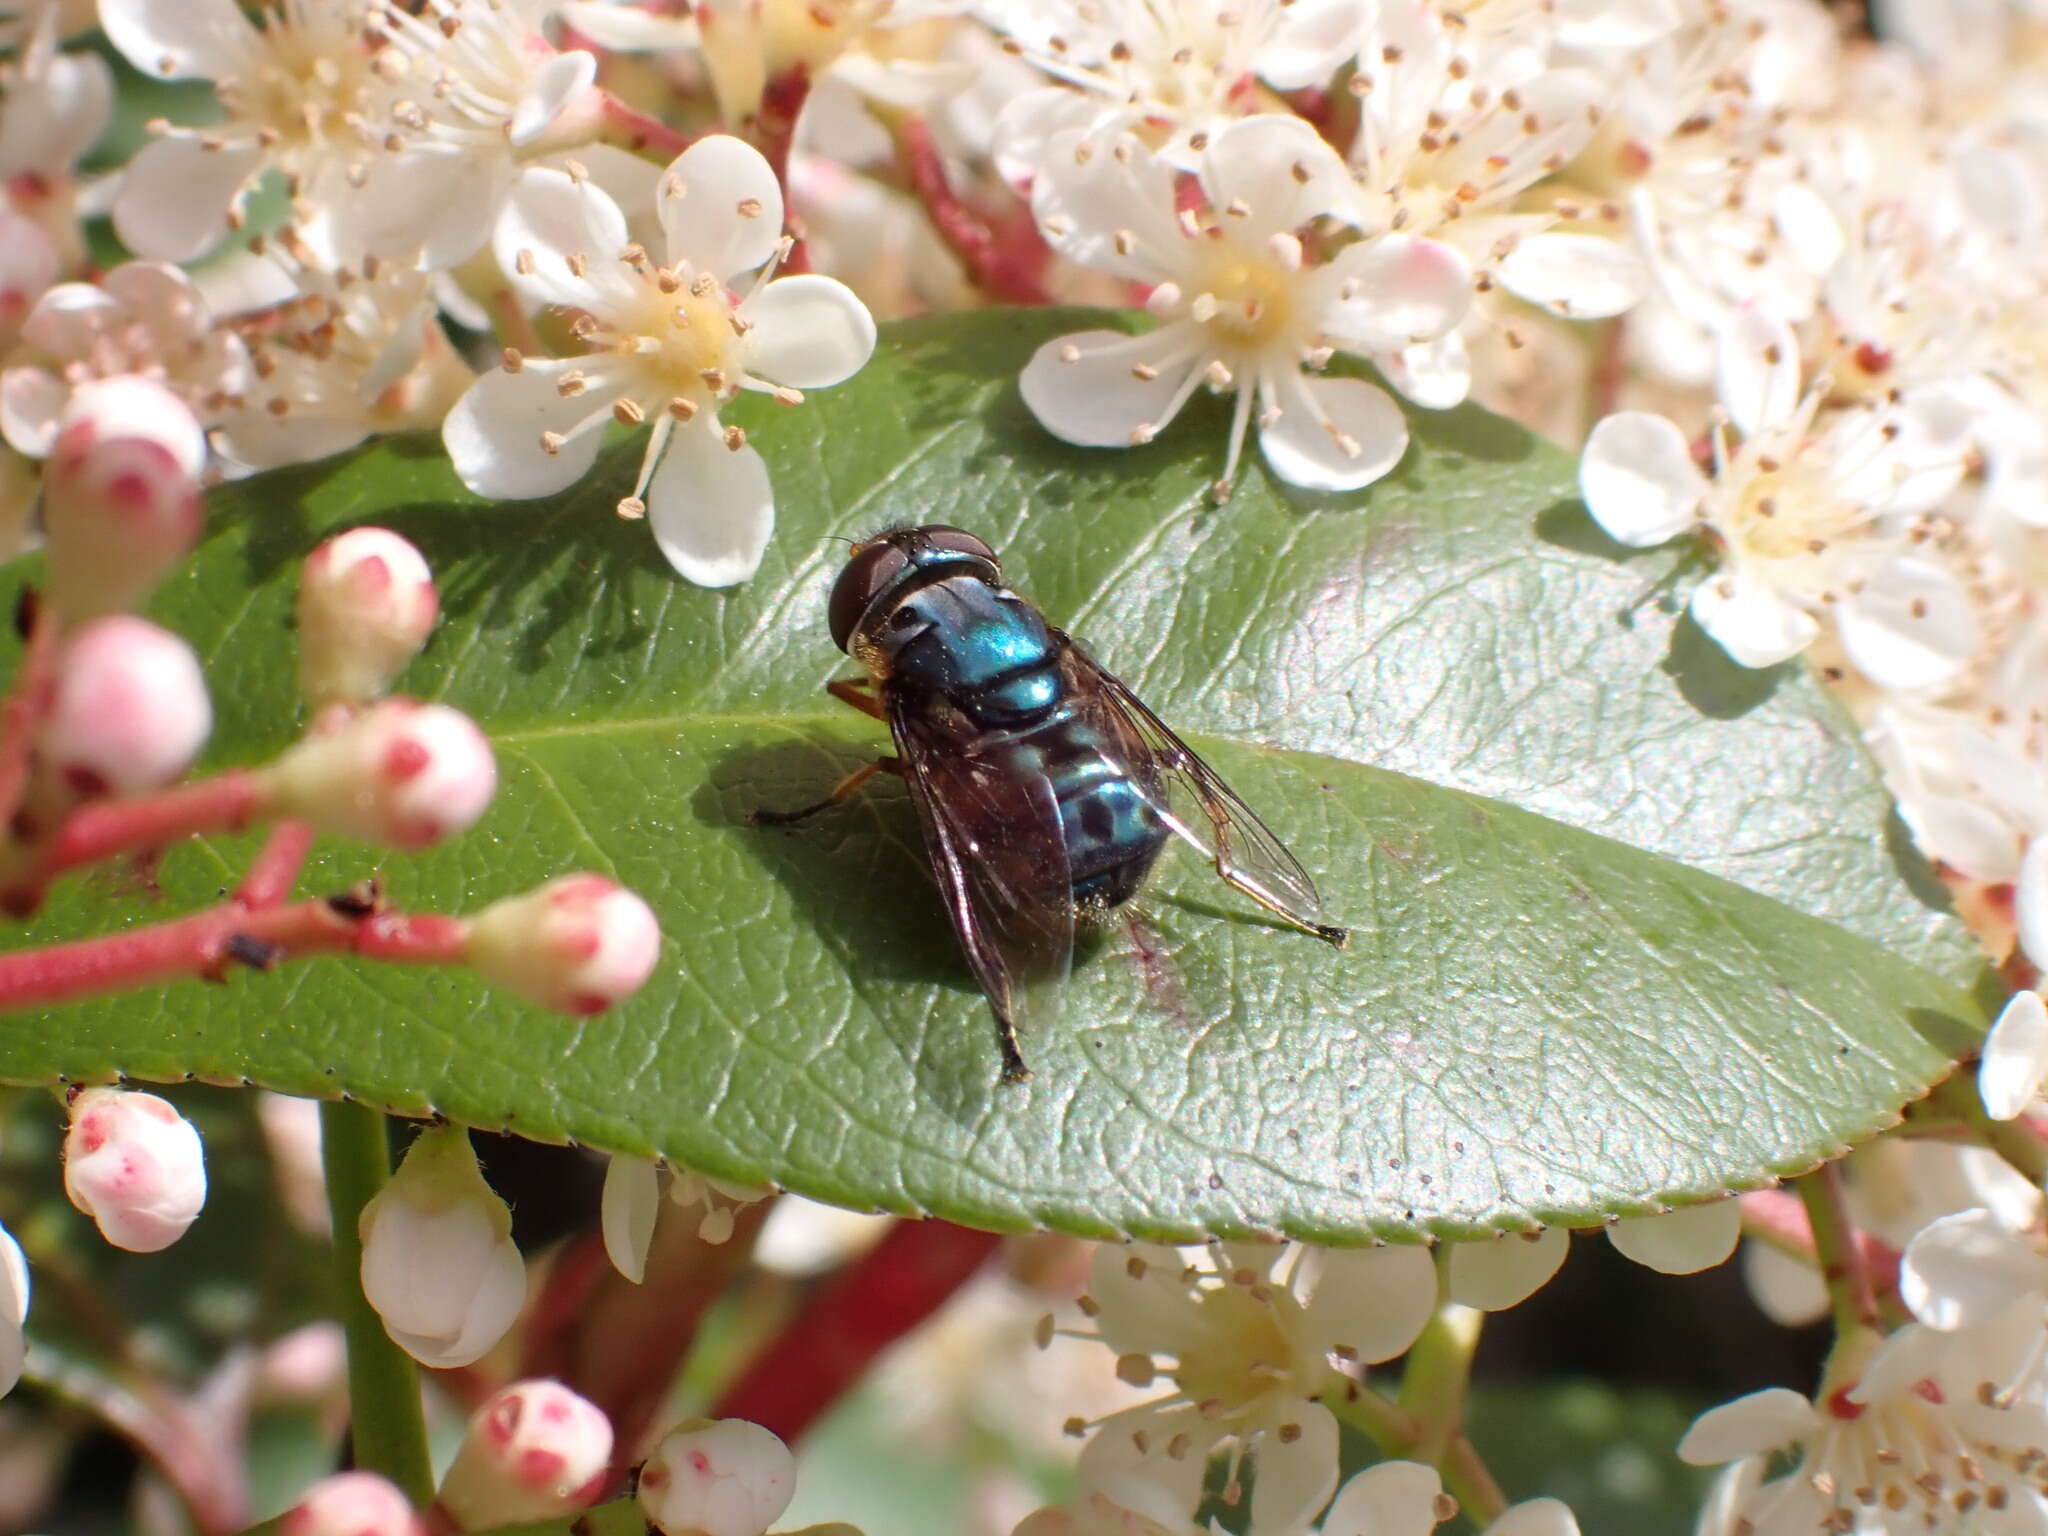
(1199, 807)
(1000, 858)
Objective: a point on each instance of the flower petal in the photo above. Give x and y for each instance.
(1756, 369)
(630, 28)
(1639, 480)
(1091, 388)
(1434, 374)
(493, 435)
(1584, 277)
(1750, 622)
(1331, 434)
(205, 38)
(174, 196)
(809, 331)
(1683, 1241)
(1908, 625)
(1394, 291)
(1967, 1268)
(631, 1201)
(1297, 1471)
(1272, 174)
(2015, 1063)
(259, 440)
(435, 206)
(551, 218)
(2030, 901)
(720, 207)
(1749, 1426)
(554, 86)
(1787, 1291)
(1107, 202)
(1536, 1517)
(13, 1311)
(1395, 1498)
(1496, 1273)
(31, 406)
(710, 506)
(1374, 1301)
(1309, 39)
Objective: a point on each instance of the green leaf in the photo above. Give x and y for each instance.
(1633, 934)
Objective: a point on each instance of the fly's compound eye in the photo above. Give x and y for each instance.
(870, 570)
(941, 536)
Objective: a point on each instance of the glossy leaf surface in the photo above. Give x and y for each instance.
(1630, 924)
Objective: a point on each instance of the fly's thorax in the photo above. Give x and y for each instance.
(963, 637)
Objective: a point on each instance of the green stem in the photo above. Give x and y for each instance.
(387, 1425)
(1439, 1367)
(1399, 1435)
(1834, 1244)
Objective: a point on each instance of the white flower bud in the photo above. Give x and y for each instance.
(133, 1164)
(401, 773)
(366, 603)
(121, 502)
(439, 1264)
(534, 1451)
(577, 944)
(351, 1504)
(13, 1311)
(130, 710)
(724, 1477)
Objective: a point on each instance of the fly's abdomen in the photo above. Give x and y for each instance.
(1112, 833)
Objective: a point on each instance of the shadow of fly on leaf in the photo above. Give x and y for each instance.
(1045, 788)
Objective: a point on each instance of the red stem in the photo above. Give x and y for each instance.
(864, 1309)
(202, 945)
(270, 877)
(104, 828)
(1007, 265)
(626, 127)
(26, 705)
(782, 103)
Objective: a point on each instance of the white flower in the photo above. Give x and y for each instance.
(13, 1311)
(439, 1264)
(133, 1163)
(1810, 516)
(1174, 74)
(141, 318)
(355, 352)
(1250, 1335)
(396, 133)
(692, 1191)
(2015, 1059)
(670, 342)
(1449, 138)
(1240, 305)
(1923, 1431)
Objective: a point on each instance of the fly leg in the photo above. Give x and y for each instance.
(1014, 1070)
(860, 693)
(1231, 876)
(842, 792)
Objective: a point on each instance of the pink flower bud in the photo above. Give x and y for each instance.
(13, 1311)
(439, 1264)
(577, 944)
(401, 773)
(724, 1477)
(366, 602)
(534, 1451)
(133, 1164)
(130, 711)
(351, 1504)
(121, 502)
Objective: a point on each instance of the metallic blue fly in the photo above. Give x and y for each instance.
(1045, 787)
